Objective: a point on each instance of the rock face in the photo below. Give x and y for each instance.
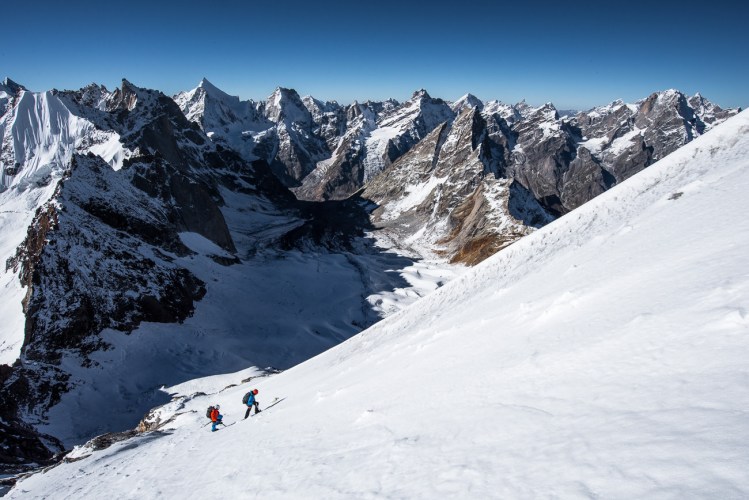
(297, 148)
(450, 191)
(377, 135)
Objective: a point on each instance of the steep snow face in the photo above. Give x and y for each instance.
(603, 355)
(40, 134)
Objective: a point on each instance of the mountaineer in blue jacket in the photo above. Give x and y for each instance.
(249, 400)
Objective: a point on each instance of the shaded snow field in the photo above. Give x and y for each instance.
(603, 356)
(275, 310)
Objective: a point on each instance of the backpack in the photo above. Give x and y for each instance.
(208, 411)
(246, 398)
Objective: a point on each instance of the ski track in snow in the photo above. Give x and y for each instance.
(602, 356)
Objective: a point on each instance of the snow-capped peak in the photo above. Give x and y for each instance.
(214, 91)
(547, 111)
(286, 105)
(10, 86)
(468, 100)
(420, 94)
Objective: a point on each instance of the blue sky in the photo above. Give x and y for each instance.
(574, 54)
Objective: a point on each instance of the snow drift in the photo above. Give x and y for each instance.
(602, 356)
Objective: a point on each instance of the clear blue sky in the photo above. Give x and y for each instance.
(574, 54)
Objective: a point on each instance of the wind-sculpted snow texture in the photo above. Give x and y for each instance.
(604, 355)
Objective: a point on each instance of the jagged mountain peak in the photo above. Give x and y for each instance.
(127, 85)
(421, 94)
(225, 108)
(319, 107)
(94, 95)
(280, 94)
(548, 112)
(433, 110)
(506, 111)
(524, 109)
(667, 96)
(126, 96)
(468, 100)
(214, 91)
(11, 86)
(286, 105)
(205, 83)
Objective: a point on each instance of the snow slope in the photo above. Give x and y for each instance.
(602, 356)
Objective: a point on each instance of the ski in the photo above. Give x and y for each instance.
(272, 403)
(220, 426)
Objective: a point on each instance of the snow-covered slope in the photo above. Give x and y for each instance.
(602, 356)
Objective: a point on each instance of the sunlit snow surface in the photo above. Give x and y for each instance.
(604, 355)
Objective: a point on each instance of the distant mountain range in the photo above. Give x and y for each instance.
(466, 178)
